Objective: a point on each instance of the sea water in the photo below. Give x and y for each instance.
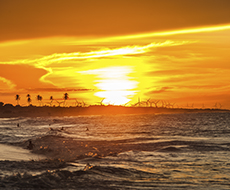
(166, 151)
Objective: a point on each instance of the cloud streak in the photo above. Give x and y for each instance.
(9, 83)
(59, 90)
(157, 34)
(161, 90)
(162, 64)
(128, 50)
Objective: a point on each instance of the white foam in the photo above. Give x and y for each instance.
(13, 153)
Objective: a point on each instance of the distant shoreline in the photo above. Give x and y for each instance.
(45, 111)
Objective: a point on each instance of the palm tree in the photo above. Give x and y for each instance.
(51, 100)
(39, 99)
(17, 98)
(28, 99)
(66, 97)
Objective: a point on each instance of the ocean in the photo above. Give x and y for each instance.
(146, 151)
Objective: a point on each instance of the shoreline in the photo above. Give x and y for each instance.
(9, 111)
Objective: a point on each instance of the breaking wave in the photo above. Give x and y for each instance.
(171, 151)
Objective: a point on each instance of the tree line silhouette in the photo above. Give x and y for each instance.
(147, 103)
(40, 98)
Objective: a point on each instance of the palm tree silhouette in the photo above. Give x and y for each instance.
(28, 99)
(39, 99)
(17, 98)
(51, 100)
(66, 97)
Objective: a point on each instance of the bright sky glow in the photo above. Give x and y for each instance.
(114, 84)
(179, 66)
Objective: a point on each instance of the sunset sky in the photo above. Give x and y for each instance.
(176, 51)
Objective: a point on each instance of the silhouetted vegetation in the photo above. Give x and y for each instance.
(8, 110)
(39, 99)
(66, 97)
(79, 107)
(17, 98)
(28, 99)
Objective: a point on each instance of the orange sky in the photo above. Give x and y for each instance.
(174, 51)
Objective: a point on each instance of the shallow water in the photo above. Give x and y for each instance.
(169, 151)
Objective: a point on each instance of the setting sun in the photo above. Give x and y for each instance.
(135, 57)
(114, 94)
(114, 84)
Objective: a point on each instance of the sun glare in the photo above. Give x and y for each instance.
(114, 85)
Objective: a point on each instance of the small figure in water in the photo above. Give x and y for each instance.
(62, 129)
(18, 125)
(30, 146)
(87, 129)
(87, 167)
